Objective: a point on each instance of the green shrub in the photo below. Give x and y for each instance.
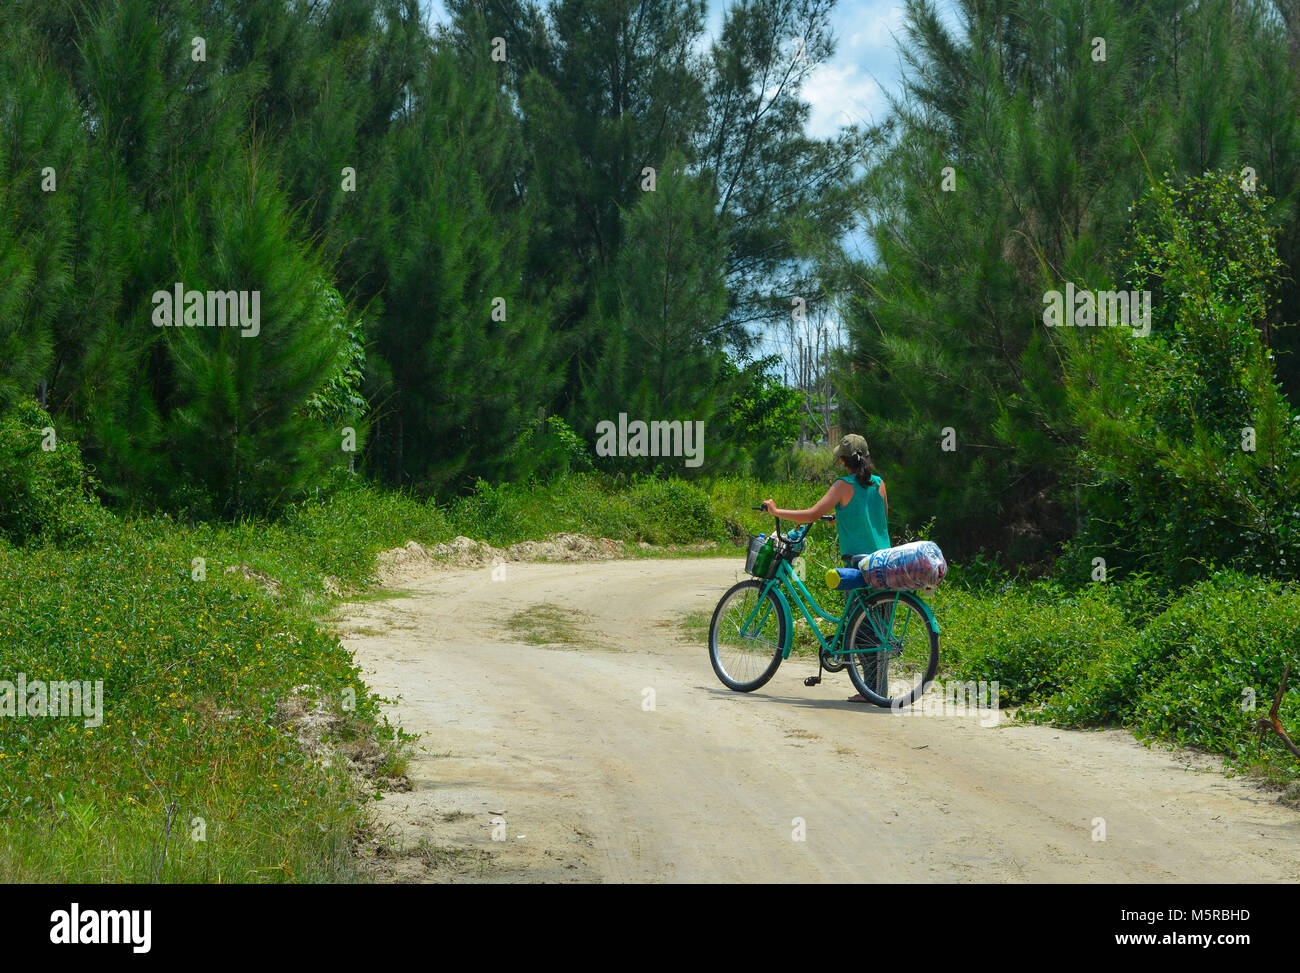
(1191, 453)
(339, 402)
(980, 574)
(1033, 640)
(44, 494)
(1191, 676)
(1142, 596)
(675, 512)
(490, 512)
(549, 449)
(762, 418)
(656, 510)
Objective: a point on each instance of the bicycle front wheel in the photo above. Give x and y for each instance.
(746, 635)
(897, 648)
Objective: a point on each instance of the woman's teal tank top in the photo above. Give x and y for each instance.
(861, 522)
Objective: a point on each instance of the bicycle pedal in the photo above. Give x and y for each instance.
(812, 680)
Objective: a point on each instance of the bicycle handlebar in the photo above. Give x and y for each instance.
(824, 518)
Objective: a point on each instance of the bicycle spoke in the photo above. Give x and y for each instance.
(893, 650)
(747, 636)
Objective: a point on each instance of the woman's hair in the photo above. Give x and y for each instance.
(861, 467)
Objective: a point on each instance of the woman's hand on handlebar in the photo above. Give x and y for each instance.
(769, 506)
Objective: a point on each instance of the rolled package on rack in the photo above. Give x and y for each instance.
(918, 566)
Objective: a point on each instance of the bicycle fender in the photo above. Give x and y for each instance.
(929, 613)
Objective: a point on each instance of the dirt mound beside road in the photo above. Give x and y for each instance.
(414, 560)
(565, 547)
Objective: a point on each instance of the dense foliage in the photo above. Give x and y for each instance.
(1191, 451)
(1198, 667)
(576, 211)
(1010, 167)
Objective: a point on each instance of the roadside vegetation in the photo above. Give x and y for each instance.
(197, 772)
(210, 643)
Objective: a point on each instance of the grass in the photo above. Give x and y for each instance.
(549, 624)
(695, 625)
(436, 856)
(192, 777)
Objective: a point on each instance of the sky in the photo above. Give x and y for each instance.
(850, 87)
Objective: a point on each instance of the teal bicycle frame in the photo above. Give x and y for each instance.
(786, 579)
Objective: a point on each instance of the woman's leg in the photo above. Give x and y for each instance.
(856, 697)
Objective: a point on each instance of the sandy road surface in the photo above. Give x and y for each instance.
(706, 786)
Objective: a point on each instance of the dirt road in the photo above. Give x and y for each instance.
(620, 757)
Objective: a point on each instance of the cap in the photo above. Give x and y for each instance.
(851, 444)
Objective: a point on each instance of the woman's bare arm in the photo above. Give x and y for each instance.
(839, 493)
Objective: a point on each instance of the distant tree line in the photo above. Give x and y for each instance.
(471, 243)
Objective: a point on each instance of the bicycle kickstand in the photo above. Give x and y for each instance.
(814, 680)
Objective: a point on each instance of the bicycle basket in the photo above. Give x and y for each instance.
(756, 558)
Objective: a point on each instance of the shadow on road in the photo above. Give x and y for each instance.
(804, 702)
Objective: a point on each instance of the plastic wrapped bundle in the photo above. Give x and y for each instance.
(919, 566)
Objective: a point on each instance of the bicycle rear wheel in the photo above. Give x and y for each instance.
(746, 635)
(897, 648)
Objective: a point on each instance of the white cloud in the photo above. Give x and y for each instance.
(868, 26)
(840, 94)
(847, 88)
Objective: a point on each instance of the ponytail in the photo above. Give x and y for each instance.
(861, 467)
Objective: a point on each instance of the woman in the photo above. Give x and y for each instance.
(860, 502)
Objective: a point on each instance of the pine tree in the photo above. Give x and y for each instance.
(236, 426)
(175, 192)
(782, 192)
(664, 355)
(459, 342)
(42, 159)
(1008, 170)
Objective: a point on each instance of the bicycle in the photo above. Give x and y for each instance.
(887, 639)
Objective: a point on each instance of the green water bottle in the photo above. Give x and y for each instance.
(764, 559)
